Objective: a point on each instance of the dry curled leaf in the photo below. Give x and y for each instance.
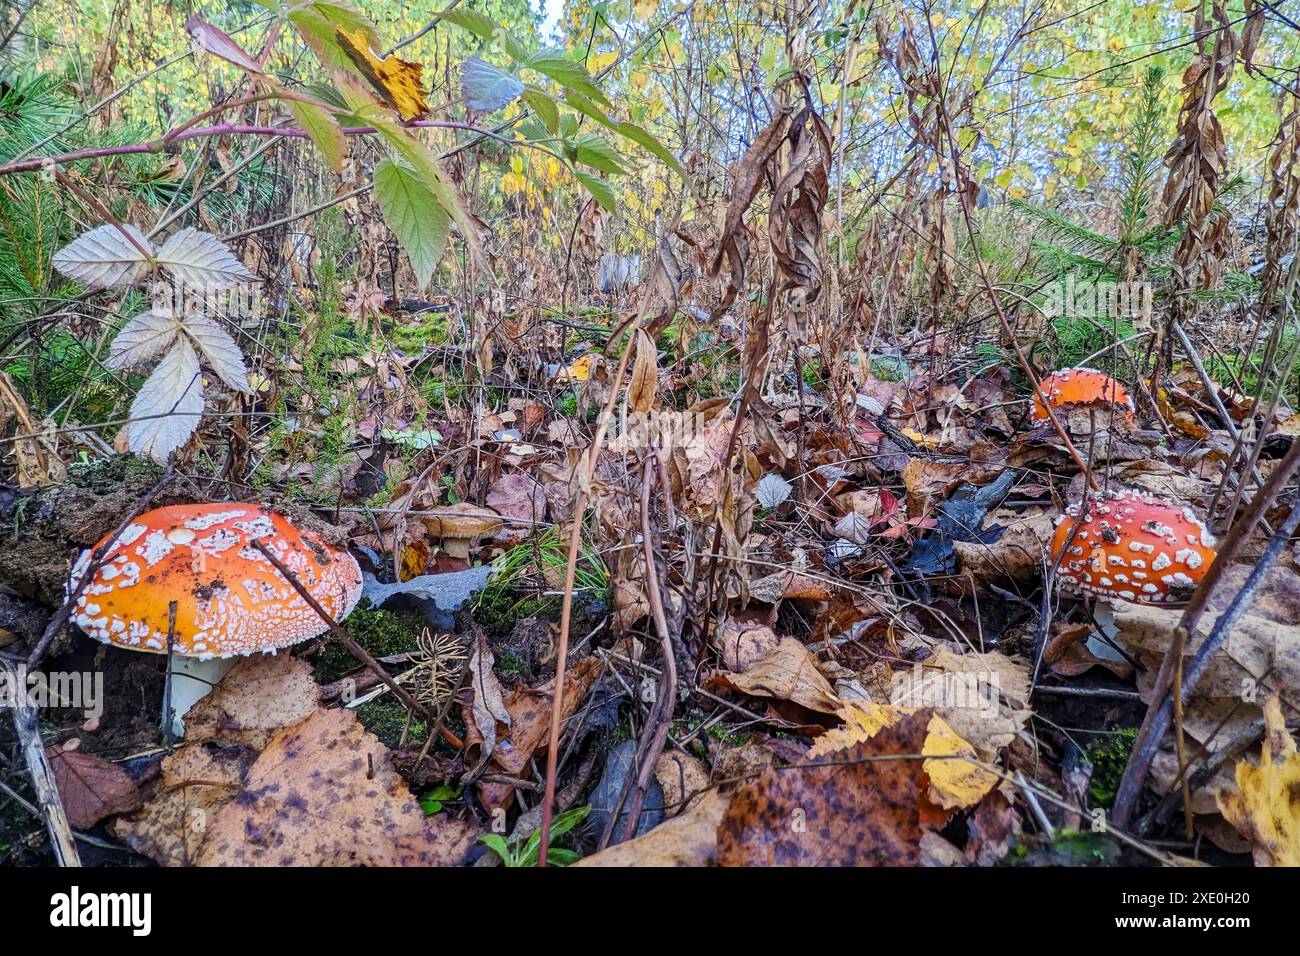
(645, 374)
(787, 671)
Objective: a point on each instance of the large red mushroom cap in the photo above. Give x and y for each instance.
(1133, 546)
(1082, 388)
(230, 600)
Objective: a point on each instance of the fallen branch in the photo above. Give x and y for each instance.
(38, 769)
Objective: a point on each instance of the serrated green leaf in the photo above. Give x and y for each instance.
(570, 74)
(545, 108)
(511, 45)
(415, 216)
(416, 154)
(593, 151)
(589, 109)
(323, 131)
(480, 24)
(643, 138)
(599, 190)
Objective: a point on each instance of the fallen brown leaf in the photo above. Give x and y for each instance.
(324, 793)
(862, 810)
(92, 788)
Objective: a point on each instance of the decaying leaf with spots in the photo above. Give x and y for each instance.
(324, 793)
(953, 782)
(260, 695)
(860, 807)
(197, 781)
(92, 788)
(1266, 810)
(398, 82)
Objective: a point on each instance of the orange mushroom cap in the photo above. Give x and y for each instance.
(230, 599)
(1133, 546)
(1082, 388)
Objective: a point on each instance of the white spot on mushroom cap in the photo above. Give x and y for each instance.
(204, 522)
(155, 548)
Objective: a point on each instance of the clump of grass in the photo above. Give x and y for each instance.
(507, 597)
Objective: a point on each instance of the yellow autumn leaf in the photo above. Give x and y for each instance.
(953, 783)
(397, 81)
(579, 371)
(1266, 808)
(928, 442)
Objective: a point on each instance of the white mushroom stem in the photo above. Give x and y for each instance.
(456, 548)
(192, 679)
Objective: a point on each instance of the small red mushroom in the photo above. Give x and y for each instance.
(1082, 388)
(1133, 546)
(230, 600)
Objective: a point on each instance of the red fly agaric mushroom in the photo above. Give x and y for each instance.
(1084, 388)
(1133, 546)
(230, 600)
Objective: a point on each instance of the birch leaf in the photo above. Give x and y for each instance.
(104, 258)
(201, 259)
(143, 339)
(220, 351)
(169, 405)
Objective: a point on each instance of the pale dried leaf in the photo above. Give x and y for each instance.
(144, 338)
(787, 671)
(169, 405)
(773, 490)
(220, 351)
(201, 260)
(645, 375)
(258, 696)
(104, 258)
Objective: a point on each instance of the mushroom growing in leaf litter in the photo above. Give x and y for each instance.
(460, 525)
(1133, 546)
(230, 600)
(1085, 388)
